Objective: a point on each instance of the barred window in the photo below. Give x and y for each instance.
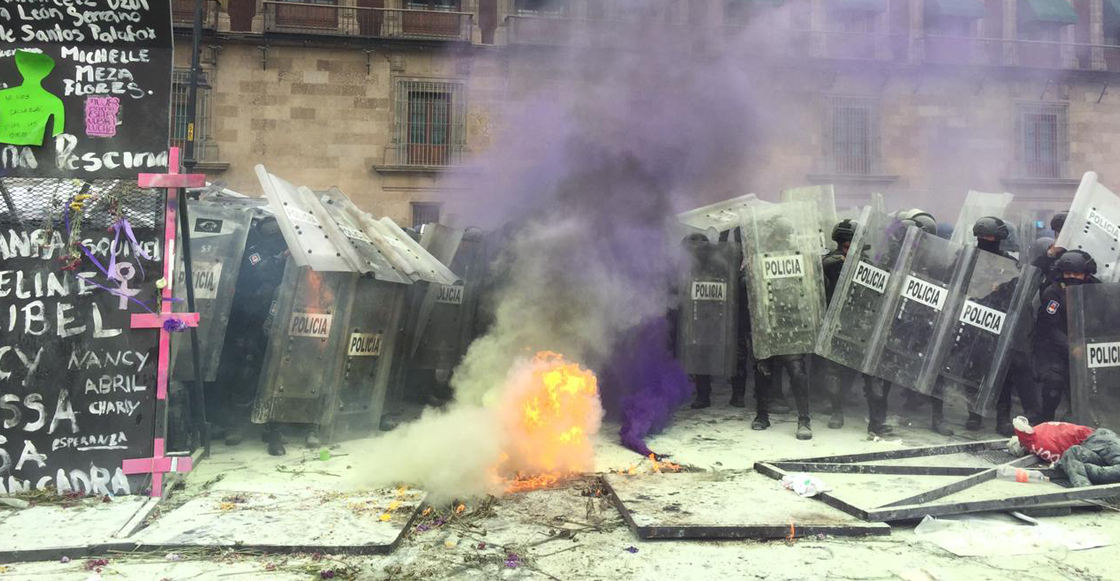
(424, 213)
(852, 136)
(1042, 136)
(430, 119)
(540, 7)
(441, 5)
(180, 120)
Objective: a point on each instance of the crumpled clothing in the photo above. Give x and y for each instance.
(805, 485)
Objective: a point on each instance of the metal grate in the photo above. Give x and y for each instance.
(852, 145)
(1042, 136)
(180, 117)
(424, 213)
(430, 123)
(33, 204)
(545, 8)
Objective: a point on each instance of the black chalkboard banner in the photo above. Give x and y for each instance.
(77, 384)
(85, 87)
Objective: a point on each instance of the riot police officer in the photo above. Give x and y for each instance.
(836, 377)
(1045, 260)
(1050, 344)
(990, 232)
(878, 390)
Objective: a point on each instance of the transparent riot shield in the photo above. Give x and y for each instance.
(720, 216)
(973, 350)
(372, 338)
(348, 236)
(822, 201)
(302, 367)
(976, 206)
(1094, 344)
(218, 236)
(785, 286)
(1093, 225)
(445, 323)
(301, 228)
(861, 292)
(707, 318)
(923, 291)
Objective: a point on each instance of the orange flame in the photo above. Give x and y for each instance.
(555, 407)
(663, 466)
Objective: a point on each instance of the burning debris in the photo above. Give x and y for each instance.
(549, 414)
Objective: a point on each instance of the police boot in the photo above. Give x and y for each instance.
(836, 420)
(803, 430)
(313, 440)
(737, 399)
(234, 435)
(938, 420)
(703, 392)
(275, 441)
(761, 416)
(975, 422)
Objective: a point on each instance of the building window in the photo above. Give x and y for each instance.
(180, 121)
(852, 136)
(549, 8)
(424, 213)
(430, 120)
(438, 5)
(1042, 136)
(307, 13)
(952, 27)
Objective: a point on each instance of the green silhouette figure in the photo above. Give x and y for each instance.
(25, 109)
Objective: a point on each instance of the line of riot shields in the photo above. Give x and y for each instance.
(316, 317)
(933, 315)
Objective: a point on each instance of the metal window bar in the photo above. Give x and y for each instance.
(430, 123)
(854, 147)
(424, 213)
(180, 87)
(1043, 136)
(433, 20)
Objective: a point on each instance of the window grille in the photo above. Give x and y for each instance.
(851, 140)
(431, 120)
(180, 119)
(1042, 136)
(424, 213)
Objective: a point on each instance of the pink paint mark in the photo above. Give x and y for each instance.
(176, 180)
(157, 466)
(101, 116)
(150, 321)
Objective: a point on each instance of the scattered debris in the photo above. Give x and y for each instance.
(631, 550)
(17, 503)
(805, 485)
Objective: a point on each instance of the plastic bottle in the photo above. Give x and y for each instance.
(1020, 475)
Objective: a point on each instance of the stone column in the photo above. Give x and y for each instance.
(917, 44)
(1010, 32)
(1067, 52)
(258, 18)
(818, 24)
(1096, 35)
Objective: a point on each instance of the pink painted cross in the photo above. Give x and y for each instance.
(157, 466)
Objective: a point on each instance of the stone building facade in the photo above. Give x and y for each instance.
(919, 99)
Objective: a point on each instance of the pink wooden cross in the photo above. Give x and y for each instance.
(157, 466)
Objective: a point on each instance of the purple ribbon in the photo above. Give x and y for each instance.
(122, 224)
(116, 292)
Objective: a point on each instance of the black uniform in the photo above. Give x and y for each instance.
(1050, 347)
(836, 378)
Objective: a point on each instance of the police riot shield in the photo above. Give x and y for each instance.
(218, 234)
(707, 317)
(822, 202)
(923, 291)
(785, 286)
(1094, 344)
(348, 237)
(976, 206)
(1093, 225)
(302, 366)
(973, 350)
(861, 291)
(371, 340)
(720, 216)
(445, 323)
(302, 230)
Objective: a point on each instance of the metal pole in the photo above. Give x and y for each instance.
(198, 396)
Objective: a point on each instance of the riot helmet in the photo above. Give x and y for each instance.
(920, 218)
(1057, 222)
(1074, 267)
(991, 227)
(844, 231)
(1040, 247)
(780, 227)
